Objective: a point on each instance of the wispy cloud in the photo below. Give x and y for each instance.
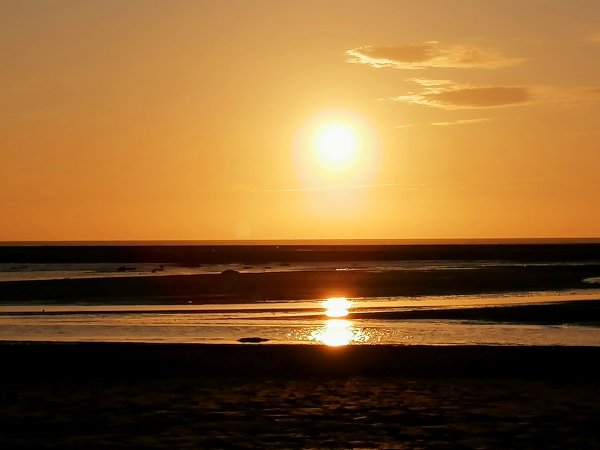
(403, 126)
(466, 97)
(430, 54)
(446, 94)
(344, 187)
(429, 83)
(461, 122)
(420, 186)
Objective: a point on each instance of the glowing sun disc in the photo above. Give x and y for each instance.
(336, 146)
(336, 307)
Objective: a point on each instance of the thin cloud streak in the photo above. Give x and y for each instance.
(429, 54)
(461, 122)
(429, 83)
(467, 97)
(452, 96)
(417, 186)
(343, 187)
(444, 123)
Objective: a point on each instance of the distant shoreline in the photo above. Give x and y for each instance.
(225, 253)
(234, 287)
(259, 242)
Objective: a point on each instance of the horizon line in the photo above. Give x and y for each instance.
(310, 241)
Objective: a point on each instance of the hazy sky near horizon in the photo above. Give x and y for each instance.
(190, 119)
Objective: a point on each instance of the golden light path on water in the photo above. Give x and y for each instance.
(337, 332)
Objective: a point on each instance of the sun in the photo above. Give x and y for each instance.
(336, 146)
(334, 151)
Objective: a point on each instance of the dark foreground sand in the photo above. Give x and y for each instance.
(39, 360)
(342, 412)
(257, 396)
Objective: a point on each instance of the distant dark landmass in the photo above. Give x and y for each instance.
(233, 287)
(342, 251)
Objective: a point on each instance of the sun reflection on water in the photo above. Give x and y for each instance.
(337, 332)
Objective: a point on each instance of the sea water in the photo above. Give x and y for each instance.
(300, 322)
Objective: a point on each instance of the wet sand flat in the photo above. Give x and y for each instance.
(294, 412)
(64, 360)
(256, 396)
(234, 287)
(585, 312)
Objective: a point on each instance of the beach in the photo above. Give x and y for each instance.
(120, 348)
(348, 412)
(156, 396)
(299, 224)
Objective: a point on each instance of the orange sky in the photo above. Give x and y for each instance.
(193, 119)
